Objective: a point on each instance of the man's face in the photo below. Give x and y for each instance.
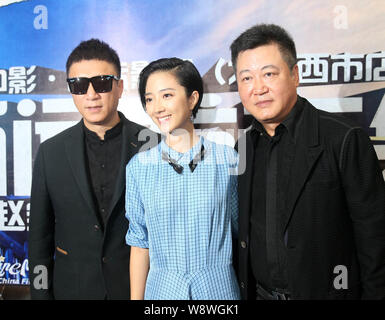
(266, 85)
(98, 109)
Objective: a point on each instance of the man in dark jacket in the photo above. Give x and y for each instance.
(312, 195)
(77, 223)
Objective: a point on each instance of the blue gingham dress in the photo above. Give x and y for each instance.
(186, 220)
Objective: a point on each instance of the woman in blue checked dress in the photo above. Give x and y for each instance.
(181, 196)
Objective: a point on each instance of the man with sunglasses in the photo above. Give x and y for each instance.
(77, 222)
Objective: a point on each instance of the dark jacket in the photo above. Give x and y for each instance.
(66, 236)
(334, 211)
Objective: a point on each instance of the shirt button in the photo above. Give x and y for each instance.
(103, 165)
(243, 244)
(96, 227)
(102, 210)
(104, 259)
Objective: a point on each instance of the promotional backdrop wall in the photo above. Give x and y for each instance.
(341, 59)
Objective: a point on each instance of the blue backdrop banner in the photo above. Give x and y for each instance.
(341, 59)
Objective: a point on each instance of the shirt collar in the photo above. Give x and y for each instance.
(109, 134)
(291, 123)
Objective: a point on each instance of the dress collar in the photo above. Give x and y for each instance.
(184, 157)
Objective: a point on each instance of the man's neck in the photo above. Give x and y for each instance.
(271, 126)
(101, 129)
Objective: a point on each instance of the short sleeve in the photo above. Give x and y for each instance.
(137, 235)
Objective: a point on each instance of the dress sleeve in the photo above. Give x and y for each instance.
(137, 235)
(233, 160)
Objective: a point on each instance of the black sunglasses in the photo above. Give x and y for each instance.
(101, 84)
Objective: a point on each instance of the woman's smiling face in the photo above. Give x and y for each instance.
(167, 103)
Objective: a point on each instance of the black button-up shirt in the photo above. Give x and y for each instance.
(104, 158)
(273, 157)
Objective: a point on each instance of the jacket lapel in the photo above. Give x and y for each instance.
(245, 149)
(307, 152)
(75, 151)
(130, 146)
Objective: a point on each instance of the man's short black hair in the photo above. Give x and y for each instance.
(265, 34)
(185, 72)
(94, 49)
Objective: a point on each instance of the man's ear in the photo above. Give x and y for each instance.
(120, 87)
(295, 75)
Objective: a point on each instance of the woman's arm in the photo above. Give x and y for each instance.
(139, 266)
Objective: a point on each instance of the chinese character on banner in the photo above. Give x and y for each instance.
(313, 68)
(3, 81)
(346, 65)
(377, 71)
(21, 80)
